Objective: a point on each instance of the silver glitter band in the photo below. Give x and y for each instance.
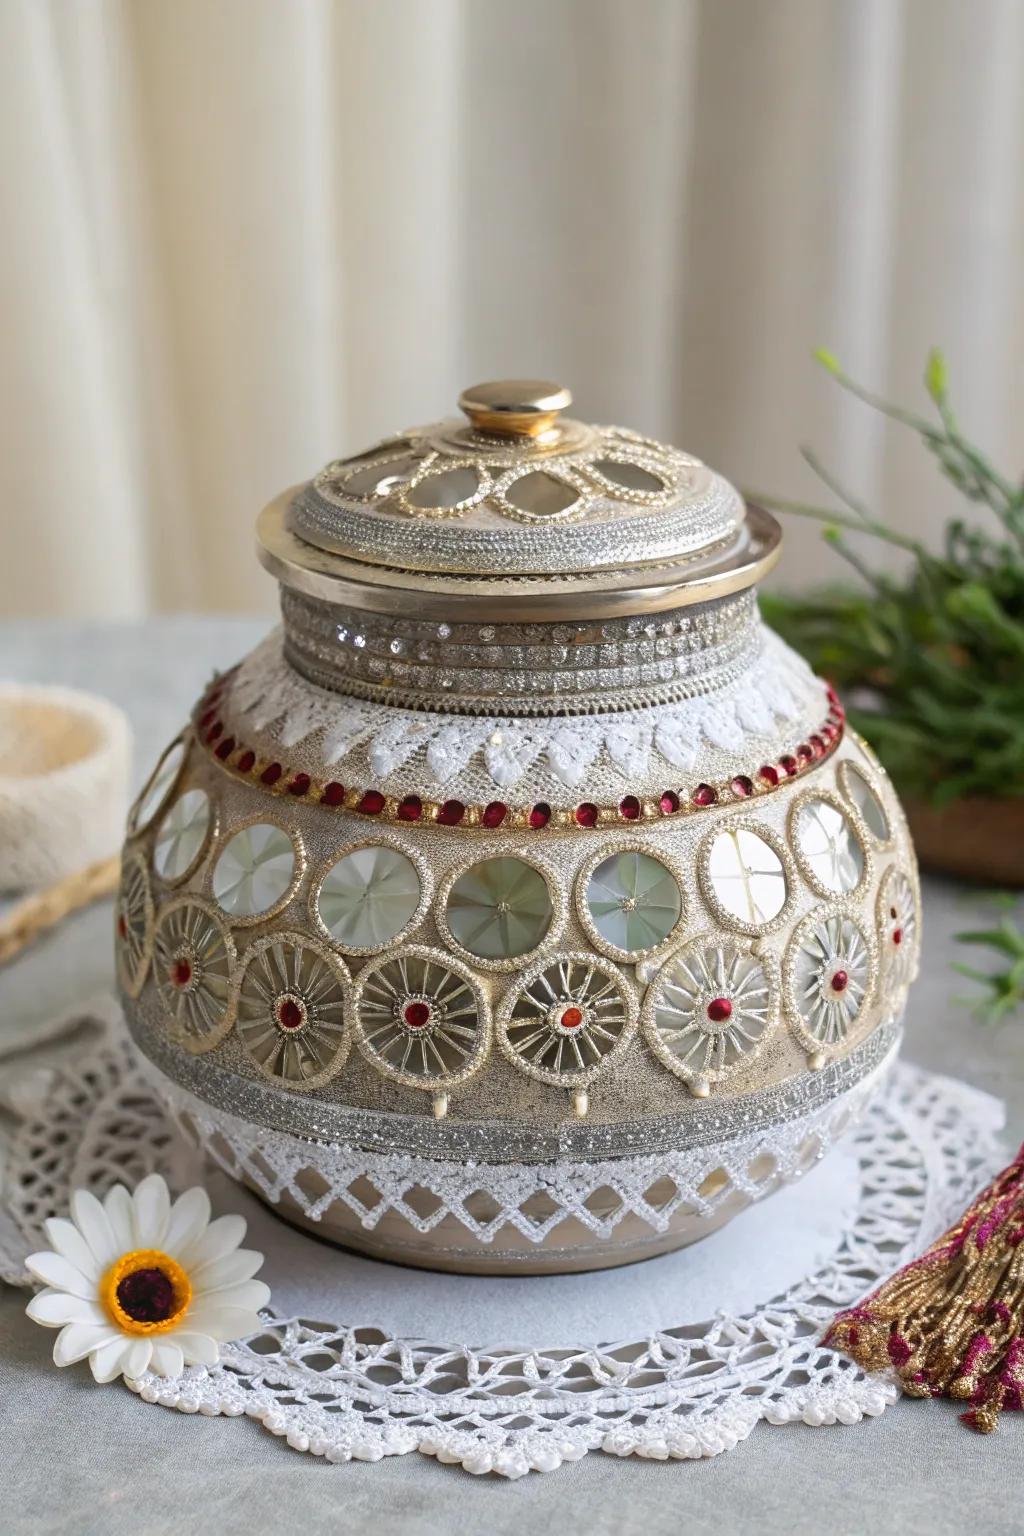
(522, 668)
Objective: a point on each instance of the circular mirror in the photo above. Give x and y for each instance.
(255, 870)
(368, 897)
(499, 909)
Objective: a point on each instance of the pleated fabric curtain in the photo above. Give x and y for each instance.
(244, 236)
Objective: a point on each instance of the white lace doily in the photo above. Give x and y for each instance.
(342, 1389)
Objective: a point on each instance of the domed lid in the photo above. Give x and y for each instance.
(518, 512)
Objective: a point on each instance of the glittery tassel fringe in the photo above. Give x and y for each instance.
(951, 1324)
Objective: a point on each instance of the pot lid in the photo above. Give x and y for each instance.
(517, 510)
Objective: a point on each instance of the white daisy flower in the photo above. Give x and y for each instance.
(137, 1284)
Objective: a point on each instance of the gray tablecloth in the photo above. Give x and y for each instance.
(75, 1458)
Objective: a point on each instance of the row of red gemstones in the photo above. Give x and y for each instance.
(452, 813)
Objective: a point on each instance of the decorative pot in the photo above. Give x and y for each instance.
(522, 904)
(974, 839)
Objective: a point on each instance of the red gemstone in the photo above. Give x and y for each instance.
(215, 730)
(371, 803)
(334, 793)
(704, 794)
(122, 926)
(271, 774)
(817, 746)
(741, 786)
(246, 762)
(586, 814)
(788, 764)
(897, 935)
(572, 1018)
(719, 1009)
(225, 748)
(290, 1014)
(769, 774)
(540, 815)
(840, 981)
(669, 803)
(410, 809)
(829, 732)
(494, 814)
(629, 808)
(451, 813)
(180, 972)
(831, 694)
(299, 785)
(416, 1015)
(804, 752)
(207, 718)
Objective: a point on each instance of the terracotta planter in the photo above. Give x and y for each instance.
(976, 839)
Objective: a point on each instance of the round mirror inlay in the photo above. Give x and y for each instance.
(422, 1018)
(159, 785)
(569, 1016)
(193, 957)
(291, 1010)
(746, 876)
(867, 802)
(254, 870)
(829, 972)
(182, 835)
(828, 847)
(499, 909)
(368, 897)
(634, 902)
(710, 1009)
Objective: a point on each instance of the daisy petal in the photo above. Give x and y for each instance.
(229, 1269)
(91, 1220)
(76, 1340)
(168, 1359)
(190, 1215)
(51, 1269)
(248, 1294)
(107, 1361)
(152, 1208)
(198, 1348)
(223, 1323)
(220, 1237)
(136, 1361)
(64, 1238)
(120, 1213)
(55, 1308)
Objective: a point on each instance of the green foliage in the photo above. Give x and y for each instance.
(1003, 986)
(932, 661)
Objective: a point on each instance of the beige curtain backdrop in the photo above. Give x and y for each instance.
(243, 236)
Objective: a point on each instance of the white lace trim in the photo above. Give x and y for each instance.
(375, 1185)
(342, 1392)
(778, 694)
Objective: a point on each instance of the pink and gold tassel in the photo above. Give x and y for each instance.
(951, 1323)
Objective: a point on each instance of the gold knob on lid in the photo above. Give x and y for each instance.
(516, 407)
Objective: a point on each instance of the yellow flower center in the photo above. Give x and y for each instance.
(145, 1292)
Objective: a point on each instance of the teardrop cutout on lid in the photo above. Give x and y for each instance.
(445, 490)
(541, 494)
(629, 477)
(382, 475)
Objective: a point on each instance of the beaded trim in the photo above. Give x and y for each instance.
(631, 811)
